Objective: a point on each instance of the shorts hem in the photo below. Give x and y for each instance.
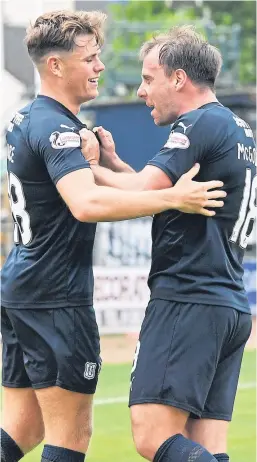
(47, 306)
(51, 383)
(184, 407)
(56, 383)
(225, 417)
(16, 385)
(76, 389)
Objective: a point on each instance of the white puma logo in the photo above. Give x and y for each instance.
(66, 126)
(180, 124)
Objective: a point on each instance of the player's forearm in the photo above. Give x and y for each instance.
(114, 163)
(105, 177)
(106, 204)
(120, 166)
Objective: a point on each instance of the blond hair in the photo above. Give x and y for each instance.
(183, 48)
(57, 31)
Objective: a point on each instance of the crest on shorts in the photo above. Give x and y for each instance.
(89, 372)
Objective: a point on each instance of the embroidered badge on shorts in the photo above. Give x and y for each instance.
(89, 372)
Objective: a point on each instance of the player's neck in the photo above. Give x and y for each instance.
(59, 96)
(193, 102)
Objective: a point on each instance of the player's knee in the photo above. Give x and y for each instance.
(35, 437)
(144, 445)
(27, 432)
(27, 436)
(152, 424)
(84, 432)
(78, 435)
(144, 440)
(83, 426)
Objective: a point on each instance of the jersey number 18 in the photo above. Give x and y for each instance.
(18, 206)
(247, 213)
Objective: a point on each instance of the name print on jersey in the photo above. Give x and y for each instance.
(10, 153)
(241, 123)
(18, 118)
(246, 153)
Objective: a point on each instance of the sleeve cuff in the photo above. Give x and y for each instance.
(69, 170)
(163, 167)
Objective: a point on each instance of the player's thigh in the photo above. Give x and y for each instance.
(175, 361)
(60, 347)
(210, 433)
(221, 396)
(14, 374)
(67, 417)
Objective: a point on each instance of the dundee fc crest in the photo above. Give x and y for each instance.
(89, 372)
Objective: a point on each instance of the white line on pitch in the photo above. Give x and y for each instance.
(124, 399)
(120, 399)
(246, 386)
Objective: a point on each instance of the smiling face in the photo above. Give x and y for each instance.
(79, 69)
(159, 90)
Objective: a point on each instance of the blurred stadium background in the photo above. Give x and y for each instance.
(122, 250)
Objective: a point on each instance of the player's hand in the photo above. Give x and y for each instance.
(194, 197)
(90, 146)
(108, 156)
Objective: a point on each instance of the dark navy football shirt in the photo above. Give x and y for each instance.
(198, 259)
(50, 265)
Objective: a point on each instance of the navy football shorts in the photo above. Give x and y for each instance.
(189, 356)
(51, 347)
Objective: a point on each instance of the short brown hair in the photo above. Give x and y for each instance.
(57, 30)
(183, 48)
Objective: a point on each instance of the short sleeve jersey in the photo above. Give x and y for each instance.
(50, 264)
(198, 259)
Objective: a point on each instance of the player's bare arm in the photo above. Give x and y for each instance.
(197, 195)
(92, 203)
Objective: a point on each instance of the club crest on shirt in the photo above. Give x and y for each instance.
(177, 140)
(64, 140)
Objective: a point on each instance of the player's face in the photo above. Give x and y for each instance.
(82, 69)
(158, 90)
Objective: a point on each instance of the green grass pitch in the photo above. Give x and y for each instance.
(112, 440)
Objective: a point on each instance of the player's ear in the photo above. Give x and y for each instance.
(180, 78)
(55, 65)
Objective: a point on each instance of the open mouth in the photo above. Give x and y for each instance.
(94, 81)
(152, 107)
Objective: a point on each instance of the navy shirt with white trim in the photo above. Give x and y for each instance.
(194, 258)
(50, 265)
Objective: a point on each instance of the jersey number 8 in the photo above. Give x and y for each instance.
(18, 206)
